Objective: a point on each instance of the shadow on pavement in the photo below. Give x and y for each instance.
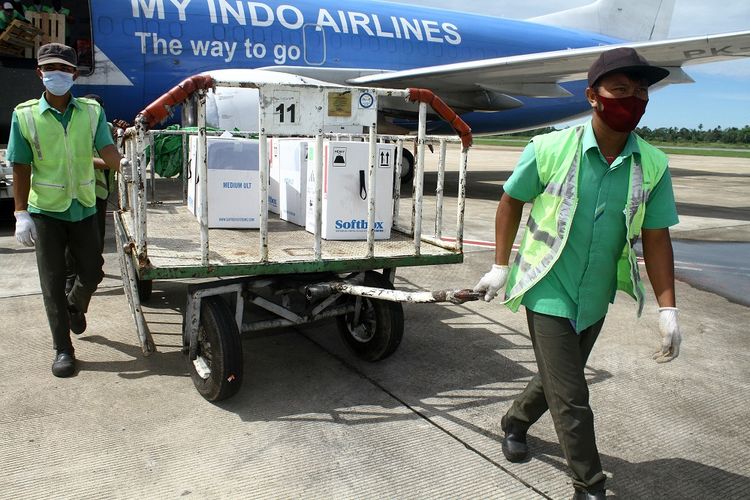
(160, 363)
(671, 478)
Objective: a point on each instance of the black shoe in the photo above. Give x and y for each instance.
(64, 364)
(514, 443)
(77, 320)
(590, 495)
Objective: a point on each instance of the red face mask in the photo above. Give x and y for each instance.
(621, 114)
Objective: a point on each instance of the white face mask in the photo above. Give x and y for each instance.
(57, 82)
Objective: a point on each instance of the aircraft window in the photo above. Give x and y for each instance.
(259, 35)
(105, 26)
(175, 30)
(238, 34)
(277, 36)
(374, 43)
(334, 40)
(219, 33)
(129, 27)
(451, 52)
(151, 26)
(294, 37)
(390, 45)
(437, 49)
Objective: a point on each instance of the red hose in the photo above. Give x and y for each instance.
(445, 112)
(160, 109)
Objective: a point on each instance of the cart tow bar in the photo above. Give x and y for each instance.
(322, 290)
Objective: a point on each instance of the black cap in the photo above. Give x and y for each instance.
(625, 60)
(56, 53)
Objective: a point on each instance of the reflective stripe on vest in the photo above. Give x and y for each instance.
(548, 227)
(62, 160)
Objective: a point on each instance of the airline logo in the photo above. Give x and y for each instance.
(286, 16)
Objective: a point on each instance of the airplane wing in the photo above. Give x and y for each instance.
(539, 74)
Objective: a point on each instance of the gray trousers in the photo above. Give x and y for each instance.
(82, 238)
(560, 386)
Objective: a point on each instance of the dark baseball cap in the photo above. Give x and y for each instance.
(56, 53)
(625, 60)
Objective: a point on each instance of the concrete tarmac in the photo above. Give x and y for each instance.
(313, 421)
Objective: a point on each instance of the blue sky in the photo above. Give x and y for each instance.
(721, 94)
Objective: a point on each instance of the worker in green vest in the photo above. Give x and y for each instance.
(105, 184)
(8, 14)
(51, 146)
(594, 190)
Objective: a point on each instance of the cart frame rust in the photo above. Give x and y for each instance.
(293, 291)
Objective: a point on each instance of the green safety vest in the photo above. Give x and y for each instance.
(5, 20)
(105, 179)
(62, 167)
(558, 156)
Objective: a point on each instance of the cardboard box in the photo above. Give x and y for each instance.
(345, 191)
(289, 160)
(233, 182)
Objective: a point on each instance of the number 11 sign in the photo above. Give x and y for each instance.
(311, 110)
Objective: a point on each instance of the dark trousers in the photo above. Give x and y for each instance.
(560, 386)
(82, 238)
(101, 222)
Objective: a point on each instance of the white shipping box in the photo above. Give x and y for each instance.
(273, 175)
(233, 182)
(290, 162)
(345, 191)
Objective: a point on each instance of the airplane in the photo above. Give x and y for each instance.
(500, 74)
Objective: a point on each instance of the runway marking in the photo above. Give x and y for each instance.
(688, 268)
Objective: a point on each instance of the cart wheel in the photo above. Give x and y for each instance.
(145, 287)
(217, 369)
(407, 167)
(377, 331)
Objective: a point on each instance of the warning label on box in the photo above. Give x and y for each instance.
(339, 157)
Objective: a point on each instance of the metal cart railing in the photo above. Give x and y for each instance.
(286, 275)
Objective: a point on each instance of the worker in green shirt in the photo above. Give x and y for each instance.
(51, 146)
(8, 14)
(595, 189)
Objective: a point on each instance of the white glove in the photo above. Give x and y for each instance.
(126, 169)
(492, 282)
(25, 228)
(670, 335)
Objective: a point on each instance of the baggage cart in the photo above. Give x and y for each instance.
(285, 274)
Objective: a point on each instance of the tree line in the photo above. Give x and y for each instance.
(675, 135)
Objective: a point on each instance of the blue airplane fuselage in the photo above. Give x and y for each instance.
(157, 43)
